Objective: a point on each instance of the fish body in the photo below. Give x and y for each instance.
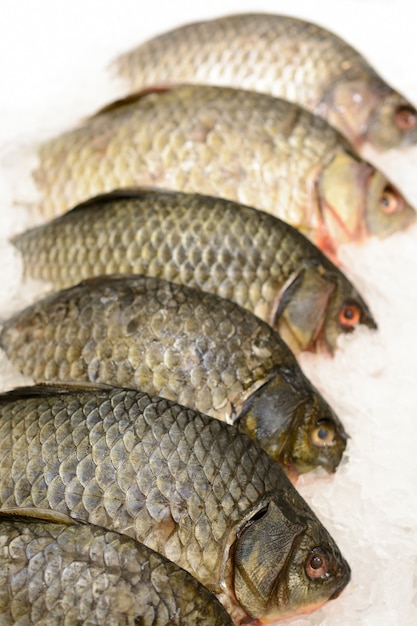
(285, 57)
(243, 146)
(231, 250)
(55, 574)
(190, 487)
(200, 350)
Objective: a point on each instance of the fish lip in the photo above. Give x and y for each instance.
(338, 591)
(368, 320)
(345, 575)
(332, 464)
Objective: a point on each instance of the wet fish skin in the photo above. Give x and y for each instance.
(286, 57)
(243, 146)
(231, 250)
(67, 565)
(189, 486)
(192, 347)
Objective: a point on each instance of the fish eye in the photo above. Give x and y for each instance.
(323, 434)
(405, 118)
(317, 563)
(390, 201)
(349, 316)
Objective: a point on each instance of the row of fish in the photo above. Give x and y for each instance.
(186, 300)
(243, 146)
(285, 57)
(188, 346)
(219, 246)
(187, 485)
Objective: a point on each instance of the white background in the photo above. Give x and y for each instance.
(53, 72)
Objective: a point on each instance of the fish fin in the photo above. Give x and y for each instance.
(132, 98)
(46, 389)
(124, 193)
(28, 514)
(104, 279)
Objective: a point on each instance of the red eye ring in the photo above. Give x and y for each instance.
(350, 315)
(406, 117)
(317, 564)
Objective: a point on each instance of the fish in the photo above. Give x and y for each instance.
(285, 57)
(192, 488)
(192, 347)
(57, 574)
(217, 245)
(244, 146)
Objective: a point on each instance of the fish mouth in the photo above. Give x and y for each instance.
(345, 575)
(337, 593)
(330, 465)
(367, 319)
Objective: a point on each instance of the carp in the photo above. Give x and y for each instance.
(56, 574)
(285, 57)
(186, 345)
(243, 146)
(219, 246)
(188, 486)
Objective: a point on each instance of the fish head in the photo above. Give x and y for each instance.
(392, 124)
(318, 304)
(365, 109)
(356, 201)
(346, 310)
(285, 563)
(292, 422)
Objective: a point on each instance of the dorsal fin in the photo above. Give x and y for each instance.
(132, 98)
(104, 279)
(124, 193)
(43, 390)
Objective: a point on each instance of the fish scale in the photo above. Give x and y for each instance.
(286, 57)
(186, 345)
(219, 246)
(187, 485)
(288, 162)
(86, 574)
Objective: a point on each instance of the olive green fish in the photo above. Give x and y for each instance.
(190, 487)
(60, 575)
(244, 146)
(231, 250)
(200, 350)
(286, 57)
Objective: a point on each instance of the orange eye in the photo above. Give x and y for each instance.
(323, 435)
(317, 564)
(405, 118)
(391, 201)
(349, 316)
